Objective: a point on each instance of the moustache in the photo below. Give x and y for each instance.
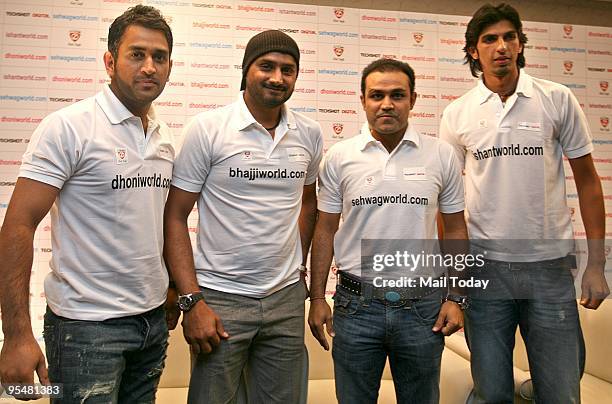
(147, 80)
(277, 88)
(387, 115)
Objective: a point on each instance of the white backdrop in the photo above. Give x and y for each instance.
(52, 56)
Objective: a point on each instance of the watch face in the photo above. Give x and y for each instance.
(185, 302)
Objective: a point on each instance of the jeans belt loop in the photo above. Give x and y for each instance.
(366, 293)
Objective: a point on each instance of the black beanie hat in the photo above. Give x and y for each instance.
(265, 42)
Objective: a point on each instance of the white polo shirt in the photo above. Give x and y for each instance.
(106, 223)
(384, 195)
(513, 159)
(250, 187)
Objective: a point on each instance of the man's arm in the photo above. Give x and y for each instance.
(590, 197)
(308, 217)
(21, 355)
(322, 254)
(455, 242)
(202, 328)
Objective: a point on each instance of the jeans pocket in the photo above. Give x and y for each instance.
(427, 310)
(345, 304)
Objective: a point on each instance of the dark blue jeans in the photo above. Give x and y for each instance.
(113, 361)
(549, 325)
(369, 330)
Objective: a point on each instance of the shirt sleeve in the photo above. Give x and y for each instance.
(574, 132)
(193, 161)
(330, 195)
(313, 167)
(449, 135)
(53, 152)
(451, 199)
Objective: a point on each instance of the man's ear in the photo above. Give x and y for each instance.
(413, 98)
(362, 98)
(473, 53)
(109, 64)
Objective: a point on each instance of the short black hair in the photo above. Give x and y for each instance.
(144, 16)
(387, 65)
(484, 17)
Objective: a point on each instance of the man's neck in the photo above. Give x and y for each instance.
(389, 141)
(504, 86)
(141, 112)
(267, 117)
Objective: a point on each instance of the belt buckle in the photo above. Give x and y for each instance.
(392, 296)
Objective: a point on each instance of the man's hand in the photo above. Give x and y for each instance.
(202, 328)
(450, 319)
(19, 360)
(594, 288)
(173, 313)
(319, 314)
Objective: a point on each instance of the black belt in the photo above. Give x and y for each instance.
(354, 285)
(567, 262)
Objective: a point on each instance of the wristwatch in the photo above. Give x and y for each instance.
(462, 301)
(186, 302)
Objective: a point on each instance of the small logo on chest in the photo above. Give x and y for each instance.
(121, 156)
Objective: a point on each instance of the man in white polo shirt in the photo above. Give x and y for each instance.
(388, 183)
(103, 167)
(251, 166)
(511, 132)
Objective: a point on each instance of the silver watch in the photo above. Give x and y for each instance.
(186, 302)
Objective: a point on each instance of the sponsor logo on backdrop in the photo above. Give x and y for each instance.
(604, 121)
(452, 42)
(297, 12)
(568, 65)
(424, 115)
(600, 34)
(418, 37)
(599, 52)
(449, 97)
(600, 106)
(370, 55)
(537, 47)
(339, 13)
(535, 29)
(427, 96)
(337, 127)
(378, 18)
(338, 52)
(305, 90)
(259, 9)
(567, 31)
(603, 85)
(170, 104)
(536, 66)
(74, 38)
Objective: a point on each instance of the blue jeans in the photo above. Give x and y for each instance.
(369, 330)
(549, 325)
(265, 350)
(118, 360)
